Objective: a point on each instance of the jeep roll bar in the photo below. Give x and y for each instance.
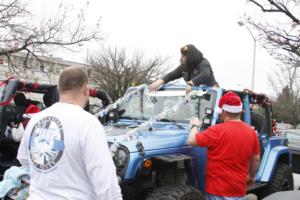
(22, 86)
(264, 101)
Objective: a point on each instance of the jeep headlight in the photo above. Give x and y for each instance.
(119, 154)
(120, 158)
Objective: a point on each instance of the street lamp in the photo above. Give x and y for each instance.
(240, 23)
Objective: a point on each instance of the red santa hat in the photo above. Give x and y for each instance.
(231, 102)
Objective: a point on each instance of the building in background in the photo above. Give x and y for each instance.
(43, 69)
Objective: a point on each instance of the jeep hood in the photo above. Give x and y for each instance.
(151, 140)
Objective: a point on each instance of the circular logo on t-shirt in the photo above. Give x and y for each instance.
(46, 143)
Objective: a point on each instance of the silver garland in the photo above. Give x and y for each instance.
(133, 133)
(121, 100)
(136, 132)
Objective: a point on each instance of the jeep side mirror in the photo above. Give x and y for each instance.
(206, 121)
(208, 111)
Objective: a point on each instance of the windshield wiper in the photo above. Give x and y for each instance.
(128, 117)
(132, 118)
(173, 122)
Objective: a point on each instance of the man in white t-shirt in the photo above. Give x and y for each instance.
(66, 150)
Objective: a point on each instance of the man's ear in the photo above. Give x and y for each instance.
(222, 115)
(86, 90)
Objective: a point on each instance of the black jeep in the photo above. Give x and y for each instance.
(13, 103)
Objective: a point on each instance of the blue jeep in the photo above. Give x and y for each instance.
(147, 134)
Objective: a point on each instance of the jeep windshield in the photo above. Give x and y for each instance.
(144, 105)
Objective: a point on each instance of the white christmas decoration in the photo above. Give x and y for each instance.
(120, 101)
(136, 132)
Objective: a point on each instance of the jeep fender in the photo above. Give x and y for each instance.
(271, 158)
(175, 169)
(165, 158)
(136, 160)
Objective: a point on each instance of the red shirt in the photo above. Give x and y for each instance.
(230, 146)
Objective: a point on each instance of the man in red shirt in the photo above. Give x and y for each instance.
(231, 146)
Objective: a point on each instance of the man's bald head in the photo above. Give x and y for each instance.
(72, 79)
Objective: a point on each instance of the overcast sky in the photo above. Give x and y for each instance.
(161, 27)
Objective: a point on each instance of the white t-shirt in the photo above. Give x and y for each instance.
(68, 156)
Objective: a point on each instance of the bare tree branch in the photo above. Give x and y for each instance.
(278, 7)
(114, 71)
(281, 39)
(18, 32)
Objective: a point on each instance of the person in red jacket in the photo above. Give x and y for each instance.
(31, 109)
(24, 106)
(231, 146)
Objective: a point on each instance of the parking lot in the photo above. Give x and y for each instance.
(297, 181)
(293, 136)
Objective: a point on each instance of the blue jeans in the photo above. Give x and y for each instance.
(213, 197)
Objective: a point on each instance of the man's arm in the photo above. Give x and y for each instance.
(192, 137)
(99, 165)
(196, 124)
(207, 138)
(23, 152)
(256, 155)
(254, 165)
(254, 162)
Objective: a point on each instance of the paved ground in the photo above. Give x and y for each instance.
(294, 140)
(296, 181)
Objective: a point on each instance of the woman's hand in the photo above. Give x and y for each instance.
(155, 85)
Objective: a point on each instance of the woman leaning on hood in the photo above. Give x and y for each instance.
(194, 69)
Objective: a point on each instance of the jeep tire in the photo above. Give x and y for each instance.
(182, 192)
(282, 179)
